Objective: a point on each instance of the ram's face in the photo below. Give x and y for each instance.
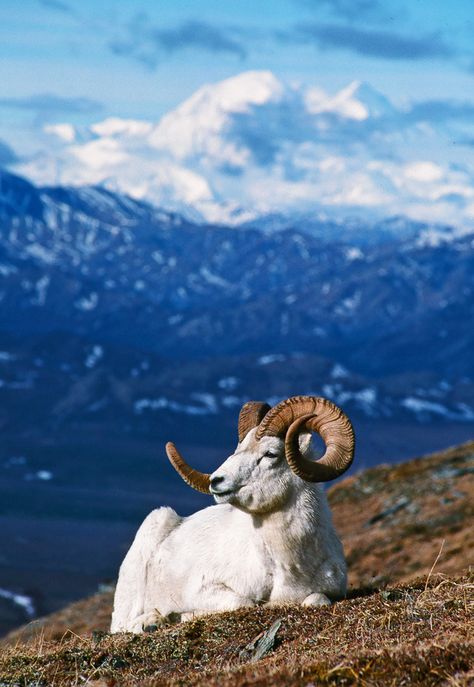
(256, 478)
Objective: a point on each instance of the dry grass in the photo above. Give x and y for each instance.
(414, 634)
(431, 499)
(396, 523)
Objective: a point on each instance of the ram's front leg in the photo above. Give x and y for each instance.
(217, 598)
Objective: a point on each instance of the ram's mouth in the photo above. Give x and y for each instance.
(214, 492)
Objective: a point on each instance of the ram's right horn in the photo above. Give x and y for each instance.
(311, 413)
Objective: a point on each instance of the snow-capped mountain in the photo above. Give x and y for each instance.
(253, 145)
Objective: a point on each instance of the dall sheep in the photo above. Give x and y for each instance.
(270, 538)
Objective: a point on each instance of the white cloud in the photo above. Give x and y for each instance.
(65, 132)
(423, 171)
(113, 126)
(252, 144)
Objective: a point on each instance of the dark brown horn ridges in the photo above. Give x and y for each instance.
(250, 416)
(289, 418)
(197, 480)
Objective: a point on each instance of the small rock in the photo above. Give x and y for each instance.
(261, 645)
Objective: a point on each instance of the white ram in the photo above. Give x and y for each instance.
(270, 538)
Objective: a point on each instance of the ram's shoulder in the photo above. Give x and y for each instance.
(159, 523)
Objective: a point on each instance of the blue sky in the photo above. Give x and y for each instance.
(140, 59)
(83, 61)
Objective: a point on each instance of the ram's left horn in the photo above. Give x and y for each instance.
(197, 480)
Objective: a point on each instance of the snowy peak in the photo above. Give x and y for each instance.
(202, 124)
(358, 101)
(237, 94)
(253, 145)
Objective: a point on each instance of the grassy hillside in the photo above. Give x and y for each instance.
(408, 619)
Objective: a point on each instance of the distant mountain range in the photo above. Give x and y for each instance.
(113, 308)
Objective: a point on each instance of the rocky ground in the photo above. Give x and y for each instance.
(408, 619)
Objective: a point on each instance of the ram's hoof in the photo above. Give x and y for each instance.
(316, 599)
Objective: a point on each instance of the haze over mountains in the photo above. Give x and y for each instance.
(253, 144)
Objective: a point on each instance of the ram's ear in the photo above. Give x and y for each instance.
(304, 441)
(251, 415)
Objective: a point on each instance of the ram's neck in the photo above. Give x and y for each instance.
(304, 515)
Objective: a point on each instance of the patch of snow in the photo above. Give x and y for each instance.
(212, 278)
(42, 290)
(206, 405)
(271, 358)
(434, 237)
(42, 475)
(354, 253)
(207, 400)
(228, 383)
(463, 412)
(158, 257)
(38, 251)
(6, 270)
(87, 303)
(94, 356)
(22, 600)
(365, 398)
(302, 247)
(339, 371)
(349, 304)
(419, 405)
(231, 401)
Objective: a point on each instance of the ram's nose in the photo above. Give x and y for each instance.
(215, 481)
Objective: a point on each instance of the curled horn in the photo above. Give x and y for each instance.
(310, 413)
(197, 480)
(250, 416)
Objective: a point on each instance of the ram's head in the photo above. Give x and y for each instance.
(274, 453)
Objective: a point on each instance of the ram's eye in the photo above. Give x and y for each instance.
(270, 454)
(267, 454)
